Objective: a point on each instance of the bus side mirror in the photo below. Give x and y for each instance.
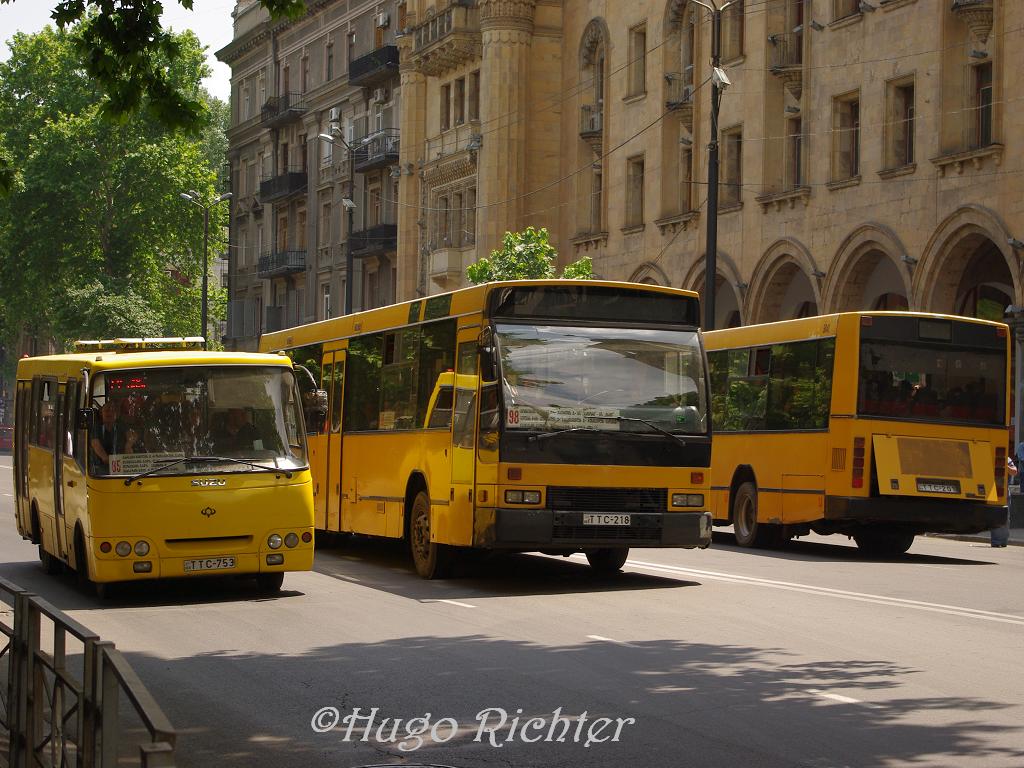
(85, 418)
(314, 406)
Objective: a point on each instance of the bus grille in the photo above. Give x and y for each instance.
(651, 534)
(838, 459)
(624, 500)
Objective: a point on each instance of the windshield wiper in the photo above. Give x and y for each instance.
(652, 425)
(168, 463)
(546, 435)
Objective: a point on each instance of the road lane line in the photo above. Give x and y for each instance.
(898, 602)
(9, 495)
(603, 639)
(450, 602)
(840, 698)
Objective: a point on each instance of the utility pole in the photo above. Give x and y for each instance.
(719, 82)
(193, 197)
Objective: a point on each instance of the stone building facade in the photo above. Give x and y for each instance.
(871, 151)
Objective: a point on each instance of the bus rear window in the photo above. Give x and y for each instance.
(929, 382)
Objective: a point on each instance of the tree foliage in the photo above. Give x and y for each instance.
(123, 46)
(526, 255)
(94, 238)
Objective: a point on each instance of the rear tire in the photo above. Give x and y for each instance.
(882, 543)
(607, 559)
(270, 583)
(432, 560)
(749, 532)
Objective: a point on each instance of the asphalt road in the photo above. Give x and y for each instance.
(808, 656)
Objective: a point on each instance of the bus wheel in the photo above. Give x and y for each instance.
(270, 583)
(876, 543)
(749, 532)
(607, 559)
(431, 559)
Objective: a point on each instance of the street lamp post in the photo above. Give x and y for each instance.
(350, 210)
(719, 82)
(194, 197)
(1015, 319)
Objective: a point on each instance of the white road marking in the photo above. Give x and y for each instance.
(451, 602)
(898, 602)
(9, 495)
(603, 639)
(841, 699)
(5, 466)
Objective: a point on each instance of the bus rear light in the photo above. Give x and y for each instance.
(142, 566)
(141, 548)
(123, 548)
(857, 479)
(1001, 332)
(274, 541)
(275, 559)
(1000, 469)
(291, 540)
(307, 537)
(105, 547)
(696, 478)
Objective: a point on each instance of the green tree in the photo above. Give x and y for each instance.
(94, 238)
(124, 48)
(526, 255)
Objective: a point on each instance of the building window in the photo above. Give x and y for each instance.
(300, 234)
(637, 60)
(285, 80)
(403, 17)
(351, 46)
(258, 311)
(596, 199)
(284, 157)
(635, 192)
(732, 163)
(262, 88)
(443, 223)
(329, 61)
(247, 107)
(305, 74)
(982, 105)
(243, 247)
(303, 164)
(325, 224)
(460, 101)
(474, 96)
(325, 301)
(844, 8)
(471, 215)
(733, 20)
(794, 153)
(846, 138)
(900, 124)
(446, 106)
(282, 234)
(686, 180)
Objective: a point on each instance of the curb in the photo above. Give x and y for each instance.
(974, 538)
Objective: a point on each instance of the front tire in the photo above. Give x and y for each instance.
(607, 559)
(749, 532)
(431, 559)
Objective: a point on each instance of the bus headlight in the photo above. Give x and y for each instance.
(522, 497)
(274, 541)
(141, 548)
(687, 499)
(291, 540)
(123, 548)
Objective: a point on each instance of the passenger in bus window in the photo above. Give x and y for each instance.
(236, 433)
(109, 435)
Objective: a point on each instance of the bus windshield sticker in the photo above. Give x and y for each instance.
(137, 463)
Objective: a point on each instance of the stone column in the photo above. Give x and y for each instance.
(412, 122)
(507, 30)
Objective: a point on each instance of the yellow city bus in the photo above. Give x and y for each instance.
(143, 459)
(877, 425)
(557, 416)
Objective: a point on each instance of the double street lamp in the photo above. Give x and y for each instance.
(194, 197)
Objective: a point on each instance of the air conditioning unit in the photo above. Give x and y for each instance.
(380, 95)
(335, 114)
(382, 19)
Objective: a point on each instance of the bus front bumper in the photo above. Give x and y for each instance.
(243, 564)
(535, 529)
(844, 513)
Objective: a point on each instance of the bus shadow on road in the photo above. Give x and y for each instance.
(810, 550)
(387, 566)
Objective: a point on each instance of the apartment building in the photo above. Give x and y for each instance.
(334, 73)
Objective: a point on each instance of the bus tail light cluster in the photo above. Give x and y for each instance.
(858, 462)
(125, 548)
(1000, 470)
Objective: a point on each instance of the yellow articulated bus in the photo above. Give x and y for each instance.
(555, 416)
(148, 458)
(878, 425)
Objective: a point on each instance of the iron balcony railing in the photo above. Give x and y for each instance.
(678, 90)
(374, 67)
(377, 151)
(290, 182)
(281, 109)
(374, 240)
(591, 119)
(278, 263)
(458, 16)
(786, 51)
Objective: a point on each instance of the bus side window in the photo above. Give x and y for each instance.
(441, 413)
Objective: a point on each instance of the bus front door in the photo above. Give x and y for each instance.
(72, 446)
(316, 441)
(59, 441)
(463, 476)
(334, 443)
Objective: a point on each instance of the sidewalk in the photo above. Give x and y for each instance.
(1016, 537)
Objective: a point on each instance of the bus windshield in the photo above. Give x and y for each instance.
(609, 379)
(145, 418)
(923, 381)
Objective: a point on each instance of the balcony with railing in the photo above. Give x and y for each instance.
(448, 39)
(281, 263)
(375, 239)
(463, 137)
(786, 59)
(291, 182)
(592, 125)
(679, 95)
(374, 67)
(379, 150)
(283, 109)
